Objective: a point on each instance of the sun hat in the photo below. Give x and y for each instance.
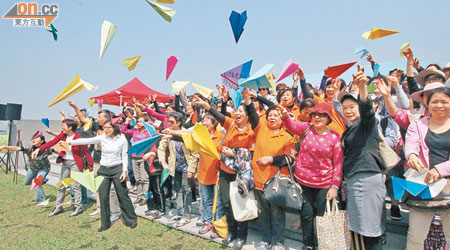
(322, 108)
(418, 96)
(427, 72)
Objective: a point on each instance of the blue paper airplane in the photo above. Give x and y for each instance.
(142, 146)
(376, 69)
(237, 22)
(258, 79)
(53, 30)
(416, 189)
(46, 122)
(150, 129)
(361, 50)
(236, 97)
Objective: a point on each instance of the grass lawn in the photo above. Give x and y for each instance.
(23, 225)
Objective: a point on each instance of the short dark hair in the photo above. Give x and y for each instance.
(212, 119)
(343, 83)
(270, 109)
(435, 65)
(107, 113)
(443, 90)
(177, 116)
(116, 129)
(307, 103)
(281, 93)
(72, 124)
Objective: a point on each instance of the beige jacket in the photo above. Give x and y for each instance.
(191, 156)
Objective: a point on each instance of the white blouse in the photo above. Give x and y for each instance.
(114, 150)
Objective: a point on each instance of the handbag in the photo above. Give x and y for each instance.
(284, 191)
(332, 230)
(388, 155)
(220, 225)
(244, 208)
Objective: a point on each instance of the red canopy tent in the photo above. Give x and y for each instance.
(133, 88)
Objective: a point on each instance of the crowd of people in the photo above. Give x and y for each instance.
(329, 136)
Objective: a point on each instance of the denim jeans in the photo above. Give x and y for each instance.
(184, 194)
(31, 174)
(207, 195)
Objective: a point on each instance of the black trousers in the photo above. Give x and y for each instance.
(158, 195)
(314, 205)
(112, 175)
(235, 228)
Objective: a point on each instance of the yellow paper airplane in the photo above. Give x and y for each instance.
(87, 125)
(404, 47)
(131, 62)
(87, 180)
(271, 77)
(178, 85)
(66, 182)
(75, 86)
(62, 146)
(200, 140)
(165, 1)
(165, 12)
(376, 33)
(91, 102)
(204, 91)
(108, 31)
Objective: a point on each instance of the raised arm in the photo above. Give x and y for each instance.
(253, 117)
(83, 118)
(219, 116)
(125, 130)
(295, 127)
(87, 141)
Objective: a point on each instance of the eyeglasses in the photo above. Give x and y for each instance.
(433, 79)
(318, 115)
(260, 89)
(171, 122)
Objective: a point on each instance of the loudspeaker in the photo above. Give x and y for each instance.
(2, 112)
(13, 111)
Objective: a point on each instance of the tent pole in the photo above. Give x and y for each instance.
(120, 100)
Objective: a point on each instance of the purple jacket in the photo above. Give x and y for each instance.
(415, 144)
(161, 117)
(135, 134)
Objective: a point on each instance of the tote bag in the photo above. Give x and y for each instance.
(332, 230)
(244, 208)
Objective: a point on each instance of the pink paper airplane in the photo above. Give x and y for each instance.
(171, 62)
(288, 69)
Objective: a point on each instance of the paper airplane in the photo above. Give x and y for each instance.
(75, 86)
(96, 89)
(143, 146)
(165, 174)
(131, 62)
(66, 182)
(150, 129)
(258, 79)
(288, 69)
(376, 33)
(404, 47)
(237, 22)
(204, 91)
(36, 182)
(46, 122)
(231, 77)
(108, 31)
(165, 12)
(415, 185)
(336, 71)
(362, 51)
(87, 179)
(87, 125)
(44, 203)
(62, 146)
(178, 85)
(91, 101)
(53, 30)
(165, 1)
(171, 62)
(271, 77)
(100, 103)
(236, 97)
(200, 140)
(376, 69)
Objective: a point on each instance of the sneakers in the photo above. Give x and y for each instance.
(395, 213)
(199, 223)
(150, 212)
(157, 215)
(262, 245)
(143, 202)
(213, 235)
(76, 212)
(56, 211)
(114, 218)
(182, 222)
(205, 228)
(95, 213)
(175, 218)
(278, 246)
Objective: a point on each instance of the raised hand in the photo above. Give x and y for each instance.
(416, 63)
(383, 89)
(197, 100)
(283, 111)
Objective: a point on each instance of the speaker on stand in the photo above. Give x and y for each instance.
(13, 113)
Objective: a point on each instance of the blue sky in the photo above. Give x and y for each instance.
(316, 34)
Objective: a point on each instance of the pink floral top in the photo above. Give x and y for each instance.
(319, 162)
